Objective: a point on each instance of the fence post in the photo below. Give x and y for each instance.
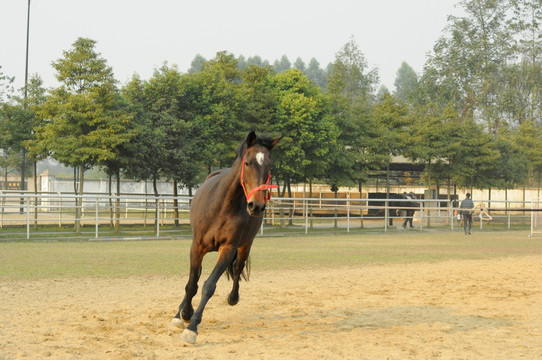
(27, 218)
(386, 214)
(422, 205)
(97, 218)
(348, 214)
(59, 209)
(2, 212)
(451, 213)
(533, 218)
(306, 216)
(158, 219)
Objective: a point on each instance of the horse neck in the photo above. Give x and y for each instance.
(233, 178)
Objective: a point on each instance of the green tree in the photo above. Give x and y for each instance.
(351, 76)
(405, 81)
(83, 127)
(511, 166)
(256, 60)
(6, 86)
(197, 64)
(524, 80)
(308, 131)
(392, 120)
(433, 138)
(528, 139)
(300, 65)
(220, 105)
(316, 74)
(18, 118)
(468, 59)
(350, 88)
(473, 156)
(282, 65)
(260, 101)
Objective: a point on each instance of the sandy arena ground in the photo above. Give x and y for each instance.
(490, 309)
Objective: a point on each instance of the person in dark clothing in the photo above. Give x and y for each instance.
(466, 211)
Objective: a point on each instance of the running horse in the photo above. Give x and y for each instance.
(226, 214)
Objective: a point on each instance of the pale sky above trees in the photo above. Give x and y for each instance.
(137, 36)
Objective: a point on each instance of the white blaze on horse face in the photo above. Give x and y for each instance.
(260, 158)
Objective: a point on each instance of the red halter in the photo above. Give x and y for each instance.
(257, 188)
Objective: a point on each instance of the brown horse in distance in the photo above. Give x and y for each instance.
(226, 214)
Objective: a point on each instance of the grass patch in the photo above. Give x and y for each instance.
(51, 260)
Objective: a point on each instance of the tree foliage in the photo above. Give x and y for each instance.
(472, 116)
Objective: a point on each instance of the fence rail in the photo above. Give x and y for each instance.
(165, 215)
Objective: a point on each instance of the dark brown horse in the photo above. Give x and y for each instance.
(226, 213)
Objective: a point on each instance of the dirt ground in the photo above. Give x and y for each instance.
(473, 309)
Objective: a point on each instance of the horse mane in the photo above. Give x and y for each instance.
(263, 140)
(214, 173)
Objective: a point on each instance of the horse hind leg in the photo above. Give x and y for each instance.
(237, 270)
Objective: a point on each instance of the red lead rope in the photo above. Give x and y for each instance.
(266, 186)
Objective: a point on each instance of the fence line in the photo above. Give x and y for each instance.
(29, 210)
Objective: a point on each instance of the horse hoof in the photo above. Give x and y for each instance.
(177, 322)
(189, 336)
(233, 300)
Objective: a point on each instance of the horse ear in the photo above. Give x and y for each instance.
(275, 142)
(251, 139)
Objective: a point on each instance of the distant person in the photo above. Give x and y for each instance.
(466, 211)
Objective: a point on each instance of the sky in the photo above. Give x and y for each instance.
(137, 36)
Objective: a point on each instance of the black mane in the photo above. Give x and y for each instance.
(263, 140)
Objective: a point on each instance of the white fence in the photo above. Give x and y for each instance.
(36, 212)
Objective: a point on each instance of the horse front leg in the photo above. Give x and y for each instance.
(239, 266)
(225, 258)
(411, 217)
(185, 309)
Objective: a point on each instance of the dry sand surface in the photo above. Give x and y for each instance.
(468, 309)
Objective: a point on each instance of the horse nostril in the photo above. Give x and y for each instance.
(254, 208)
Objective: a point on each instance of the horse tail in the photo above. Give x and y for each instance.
(230, 271)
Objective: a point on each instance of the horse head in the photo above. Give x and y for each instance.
(256, 171)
